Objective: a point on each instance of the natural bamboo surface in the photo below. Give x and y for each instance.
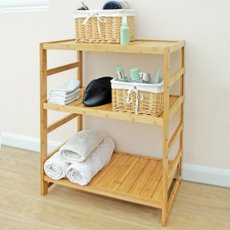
(150, 183)
(196, 206)
(137, 46)
(106, 111)
(128, 177)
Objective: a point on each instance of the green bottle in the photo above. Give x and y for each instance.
(124, 33)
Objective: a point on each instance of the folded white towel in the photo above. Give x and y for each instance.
(60, 102)
(64, 96)
(55, 167)
(82, 173)
(67, 87)
(81, 146)
(63, 101)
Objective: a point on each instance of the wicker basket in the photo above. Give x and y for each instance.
(137, 98)
(102, 26)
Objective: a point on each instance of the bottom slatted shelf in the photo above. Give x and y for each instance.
(127, 177)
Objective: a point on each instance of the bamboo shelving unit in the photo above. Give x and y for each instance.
(138, 179)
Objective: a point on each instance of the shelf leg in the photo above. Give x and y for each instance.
(181, 113)
(43, 116)
(80, 78)
(165, 140)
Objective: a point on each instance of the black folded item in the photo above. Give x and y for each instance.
(98, 92)
(112, 5)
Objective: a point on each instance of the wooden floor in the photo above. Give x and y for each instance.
(22, 208)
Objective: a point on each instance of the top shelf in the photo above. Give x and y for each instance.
(138, 46)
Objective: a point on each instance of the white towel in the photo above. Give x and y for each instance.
(81, 146)
(67, 87)
(63, 96)
(63, 101)
(55, 167)
(82, 173)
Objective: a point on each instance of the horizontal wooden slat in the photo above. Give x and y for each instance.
(173, 167)
(174, 108)
(138, 46)
(60, 122)
(174, 136)
(54, 151)
(62, 68)
(173, 79)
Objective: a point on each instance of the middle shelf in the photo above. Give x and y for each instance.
(106, 111)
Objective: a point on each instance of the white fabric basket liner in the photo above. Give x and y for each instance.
(151, 88)
(103, 13)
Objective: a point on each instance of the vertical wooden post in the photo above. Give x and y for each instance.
(80, 78)
(43, 116)
(181, 118)
(165, 139)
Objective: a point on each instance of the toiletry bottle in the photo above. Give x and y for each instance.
(124, 33)
(157, 78)
(120, 72)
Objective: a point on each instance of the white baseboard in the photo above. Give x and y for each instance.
(206, 175)
(193, 173)
(25, 142)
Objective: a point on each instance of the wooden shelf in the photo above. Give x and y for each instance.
(138, 179)
(106, 111)
(128, 177)
(138, 46)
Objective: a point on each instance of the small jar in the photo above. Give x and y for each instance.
(145, 77)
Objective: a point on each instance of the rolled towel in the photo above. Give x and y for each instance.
(67, 87)
(79, 147)
(55, 167)
(82, 173)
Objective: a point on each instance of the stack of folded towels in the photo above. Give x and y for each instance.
(81, 158)
(66, 93)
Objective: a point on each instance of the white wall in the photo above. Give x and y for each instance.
(203, 24)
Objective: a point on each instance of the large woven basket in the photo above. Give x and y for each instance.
(102, 26)
(143, 98)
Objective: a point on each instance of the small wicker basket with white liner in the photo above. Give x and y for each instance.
(138, 98)
(102, 26)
